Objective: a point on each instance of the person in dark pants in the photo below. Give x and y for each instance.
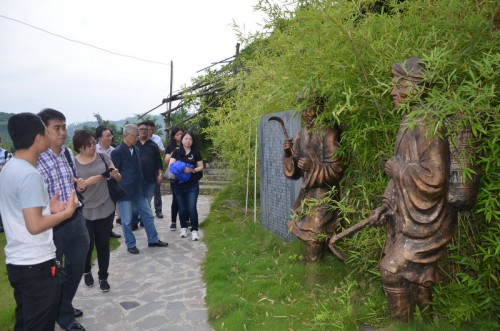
(186, 163)
(70, 237)
(157, 192)
(4, 157)
(152, 167)
(29, 216)
(175, 141)
(99, 209)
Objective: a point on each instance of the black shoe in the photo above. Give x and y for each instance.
(118, 221)
(159, 214)
(103, 285)
(77, 312)
(73, 326)
(134, 227)
(88, 279)
(115, 235)
(159, 243)
(133, 250)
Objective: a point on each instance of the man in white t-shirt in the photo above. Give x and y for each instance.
(29, 217)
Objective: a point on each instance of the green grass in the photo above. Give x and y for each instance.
(7, 303)
(255, 281)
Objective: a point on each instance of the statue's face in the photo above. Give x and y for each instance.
(308, 115)
(401, 91)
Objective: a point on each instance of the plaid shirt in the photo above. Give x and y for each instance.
(57, 173)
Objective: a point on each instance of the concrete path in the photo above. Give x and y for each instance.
(160, 289)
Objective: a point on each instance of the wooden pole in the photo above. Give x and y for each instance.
(168, 119)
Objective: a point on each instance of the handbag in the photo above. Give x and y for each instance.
(168, 175)
(116, 192)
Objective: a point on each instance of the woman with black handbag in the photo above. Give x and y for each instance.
(99, 208)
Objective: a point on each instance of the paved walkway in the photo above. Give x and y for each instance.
(160, 289)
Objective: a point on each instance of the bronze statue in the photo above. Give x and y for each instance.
(415, 209)
(311, 156)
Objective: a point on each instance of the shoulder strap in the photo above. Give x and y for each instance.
(102, 158)
(70, 161)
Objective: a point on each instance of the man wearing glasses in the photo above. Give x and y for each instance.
(127, 159)
(152, 166)
(71, 237)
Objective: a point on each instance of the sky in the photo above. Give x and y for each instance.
(39, 70)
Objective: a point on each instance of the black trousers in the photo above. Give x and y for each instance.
(174, 207)
(157, 198)
(72, 243)
(37, 290)
(99, 233)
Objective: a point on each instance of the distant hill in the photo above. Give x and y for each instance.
(6, 141)
(72, 127)
(119, 124)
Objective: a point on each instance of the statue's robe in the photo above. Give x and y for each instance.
(320, 147)
(422, 224)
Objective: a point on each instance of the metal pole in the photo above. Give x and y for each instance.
(255, 177)
(248, 168)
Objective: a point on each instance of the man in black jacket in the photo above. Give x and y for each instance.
(127, 159)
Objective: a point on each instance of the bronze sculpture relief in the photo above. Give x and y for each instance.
(311, 156)
(416, 211)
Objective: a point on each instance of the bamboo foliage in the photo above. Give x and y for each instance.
(344, 50)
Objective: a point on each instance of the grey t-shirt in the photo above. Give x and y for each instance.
(23, 187)
(97, 203)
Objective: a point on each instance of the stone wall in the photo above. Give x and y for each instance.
(277, 193)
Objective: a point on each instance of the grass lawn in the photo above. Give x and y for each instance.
(7, 303)
(255, 281)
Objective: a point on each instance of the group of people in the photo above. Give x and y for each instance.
(61, 208)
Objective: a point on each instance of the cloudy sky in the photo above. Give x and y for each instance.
(39, 70)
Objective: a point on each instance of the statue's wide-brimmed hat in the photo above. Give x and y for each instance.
(413, 69)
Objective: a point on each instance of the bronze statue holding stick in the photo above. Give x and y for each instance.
(311, 155)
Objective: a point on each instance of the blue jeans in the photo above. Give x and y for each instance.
(141, 205)
(72, 244)
(187, 197)
(149, 189)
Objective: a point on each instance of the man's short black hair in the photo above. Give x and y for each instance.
(99, 130)
(51, 114)
(143, 123)
(23, 128)
(150, 123)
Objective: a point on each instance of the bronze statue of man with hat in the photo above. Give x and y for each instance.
(415, 209)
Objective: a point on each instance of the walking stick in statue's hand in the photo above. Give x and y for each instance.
(282, 125)
(336, 237)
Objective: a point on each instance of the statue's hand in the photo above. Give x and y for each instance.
(389, 166)
(304, 164)
(379, 216)
(287, 147)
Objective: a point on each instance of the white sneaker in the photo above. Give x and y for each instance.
(184, 232)
(194, 235)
